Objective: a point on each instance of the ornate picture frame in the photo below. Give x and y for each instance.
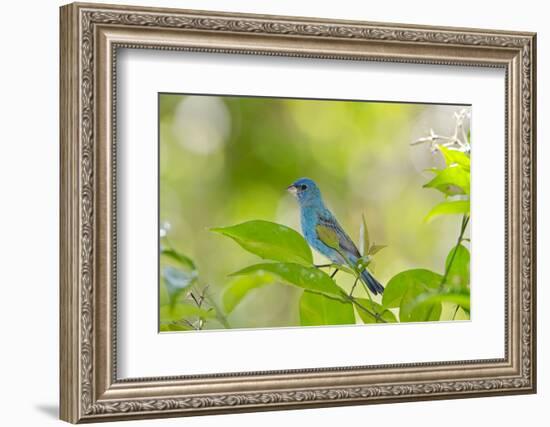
(90, 37)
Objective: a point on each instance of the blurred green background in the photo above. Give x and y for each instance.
(226, 160)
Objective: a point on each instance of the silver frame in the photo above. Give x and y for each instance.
(90, 37)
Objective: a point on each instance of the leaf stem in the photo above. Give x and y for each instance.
(356, 271)
(219, 315)
(354, 285)
(366, 310)
(456, 311)
(465, 220)
(353, 301)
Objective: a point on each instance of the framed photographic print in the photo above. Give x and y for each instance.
(264, 212)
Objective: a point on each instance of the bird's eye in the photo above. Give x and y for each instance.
(303, 187)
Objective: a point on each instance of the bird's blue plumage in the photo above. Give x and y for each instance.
(313, 215)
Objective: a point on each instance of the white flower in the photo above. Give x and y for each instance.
(458, 141)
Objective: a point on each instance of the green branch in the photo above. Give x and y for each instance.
(219, 314)
(353, 301)
(365, 309)
(465, 220)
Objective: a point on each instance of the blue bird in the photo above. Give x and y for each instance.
(323, 232)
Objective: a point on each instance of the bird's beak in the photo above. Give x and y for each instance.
(292, 189)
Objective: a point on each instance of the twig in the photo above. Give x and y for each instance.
(366, 310)
(185, 322)
(354, 285)
(323, 266)
(357, 273)
(204, 296)
(459, 139)
(353, 301)
(194, 298)
(367, 290)
(219, 314)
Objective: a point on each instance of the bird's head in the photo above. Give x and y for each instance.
(306, 191)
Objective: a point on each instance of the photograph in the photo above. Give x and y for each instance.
(267, 211)
(285, 212)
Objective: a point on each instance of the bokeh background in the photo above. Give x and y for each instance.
(226, 160)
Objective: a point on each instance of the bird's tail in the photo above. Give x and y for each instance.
(373, 284)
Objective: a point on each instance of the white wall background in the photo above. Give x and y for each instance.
(29, 170)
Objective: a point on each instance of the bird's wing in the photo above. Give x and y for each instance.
(333, 235)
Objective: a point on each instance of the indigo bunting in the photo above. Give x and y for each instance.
(323, 232)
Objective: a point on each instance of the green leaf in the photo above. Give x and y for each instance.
(364, 239)
(419, 280)
(374, 249)
(239, 287)
(328, 236)
(451, 181)
(372, 266)
(172, 327)
(433, 170)
(462, 314)
(345, 268)
(164, 296)
(270, 241)
(383, 312)
(184, 310)
(459, 271)
(317, 309)
(460, 297)
(403, 288)
(183, 260)
(414, 310)
(455, 157)
(309, 278)
(449, 208)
